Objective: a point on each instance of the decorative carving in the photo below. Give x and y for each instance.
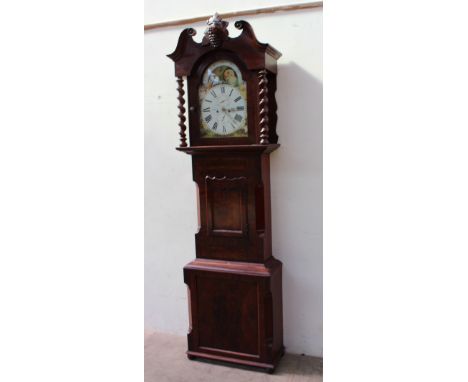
(180, 89)
(272, 108)
(227, 206)
(224, 178)
(263, 105)
(216, 32)
(240, 24)
(248, 33)
(252, 52)
(191, 31)
(185, 39)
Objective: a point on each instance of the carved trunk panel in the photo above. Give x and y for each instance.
(232, 207)
(226, 200)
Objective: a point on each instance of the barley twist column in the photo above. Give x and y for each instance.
(263, 106)
(180, 89)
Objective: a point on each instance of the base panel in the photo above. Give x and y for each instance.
(268, 367)
(235, 312)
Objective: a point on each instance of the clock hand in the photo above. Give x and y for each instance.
(230, 118)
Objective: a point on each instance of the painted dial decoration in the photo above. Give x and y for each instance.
(223, 102)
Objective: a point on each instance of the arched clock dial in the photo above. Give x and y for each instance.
(223, 101)
(223, 110)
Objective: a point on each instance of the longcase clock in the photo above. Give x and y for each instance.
(234, 284)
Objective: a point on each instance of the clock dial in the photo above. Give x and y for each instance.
(223, 102)
(223, 110)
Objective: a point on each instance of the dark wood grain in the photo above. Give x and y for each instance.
(236, 311)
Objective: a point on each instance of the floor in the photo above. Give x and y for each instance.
(165, 361)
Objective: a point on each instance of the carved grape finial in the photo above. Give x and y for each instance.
(216, 32)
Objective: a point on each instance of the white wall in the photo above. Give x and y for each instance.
(155, 12)
(296, 172)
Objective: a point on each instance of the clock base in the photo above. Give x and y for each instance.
(235, 312)
(267, 367)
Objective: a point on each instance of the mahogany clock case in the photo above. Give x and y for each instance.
(234, 284)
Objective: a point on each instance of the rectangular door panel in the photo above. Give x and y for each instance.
(228, 314)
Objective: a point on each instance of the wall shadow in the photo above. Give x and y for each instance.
(297, 199)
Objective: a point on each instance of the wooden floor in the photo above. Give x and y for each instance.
(172, 365)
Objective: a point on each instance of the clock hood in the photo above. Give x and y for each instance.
(254, 54)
